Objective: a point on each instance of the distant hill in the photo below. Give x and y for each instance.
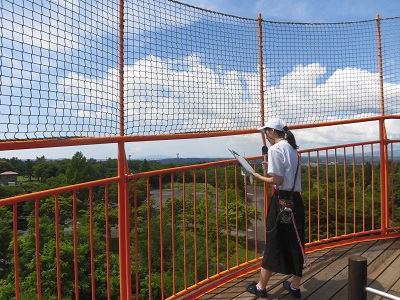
(188, 160)
(313, 158)
(349, 158)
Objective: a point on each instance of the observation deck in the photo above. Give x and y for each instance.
(119, 75)
(328, 276)
(191, 265)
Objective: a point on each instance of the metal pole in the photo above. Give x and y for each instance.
(380, 293)
(261, 70)
(123, 185)
(382, 136)
(379, 41)
(357, 278)
(121, 68)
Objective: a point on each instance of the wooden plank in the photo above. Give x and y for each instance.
(327, 279)
(277, 279)
(376, 250)
(395, 289)
(326, 283)
(320, 271)
(380, 263)
(388, 277)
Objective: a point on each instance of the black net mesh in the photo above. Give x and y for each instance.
(57, 69)
(321, 72)
(185, 69)
(189, 70)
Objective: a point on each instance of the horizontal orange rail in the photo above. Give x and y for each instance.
(195, 227)
(58, 142)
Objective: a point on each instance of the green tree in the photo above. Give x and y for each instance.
(79, 170)
(48, 258)
(5, 166)
(144, 166)
(27, 169)
(45, 170)
(6, 235)
(17, 164)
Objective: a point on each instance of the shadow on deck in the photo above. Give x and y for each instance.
(327, 277)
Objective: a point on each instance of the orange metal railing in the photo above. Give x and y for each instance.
(180, 232)
(64, 225)
(189, 226)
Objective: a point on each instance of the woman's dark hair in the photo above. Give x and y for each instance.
(289, 137)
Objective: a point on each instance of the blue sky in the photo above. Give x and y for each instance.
(276, 10)
(303, 10)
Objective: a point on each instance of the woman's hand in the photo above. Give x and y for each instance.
(257, 176)
(274, 179)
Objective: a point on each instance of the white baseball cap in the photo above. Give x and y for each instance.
(274, 123)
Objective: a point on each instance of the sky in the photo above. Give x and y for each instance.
(250, 145)
(320, 11)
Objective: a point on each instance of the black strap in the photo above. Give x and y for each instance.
(295, 177)
(297, 171)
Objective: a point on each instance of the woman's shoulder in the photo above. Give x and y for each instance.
(284, 148)
(281, 145)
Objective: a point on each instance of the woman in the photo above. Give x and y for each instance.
(283, 250)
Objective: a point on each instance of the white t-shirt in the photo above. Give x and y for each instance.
(282, 161)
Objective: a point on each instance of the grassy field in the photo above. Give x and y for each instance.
(22, 179)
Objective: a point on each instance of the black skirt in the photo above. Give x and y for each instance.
(283, 253)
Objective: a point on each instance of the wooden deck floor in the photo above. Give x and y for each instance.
(327, 278)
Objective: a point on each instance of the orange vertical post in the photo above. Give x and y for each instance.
(75, 230)
(216, 218)
(173, 232)
(91, 242)
(37, 248)
(261, 69)
(327, 192)
(207, 222)
(16, 259)
(136, 238)
(184, 230)
(121, 70)
(121, 199)
(226, 215)
(161, 227)
(58, 260)
(372, 188)
(150, 276)
(108, 262)
(196, 273)
(318, 199)
(121, 227)
(354, 192)
(382, 135)
(336, 194)
(362, 188)
(123, 185)
(236, 215)
(262, 105)
(309, 197)
(345, 190)
(124, 225)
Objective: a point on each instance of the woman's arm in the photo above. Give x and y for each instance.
(274, 179)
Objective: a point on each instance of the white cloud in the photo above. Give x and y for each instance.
(189, 93)
(154, 99)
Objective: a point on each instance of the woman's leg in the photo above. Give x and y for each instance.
(296, 281)
(265, 275)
